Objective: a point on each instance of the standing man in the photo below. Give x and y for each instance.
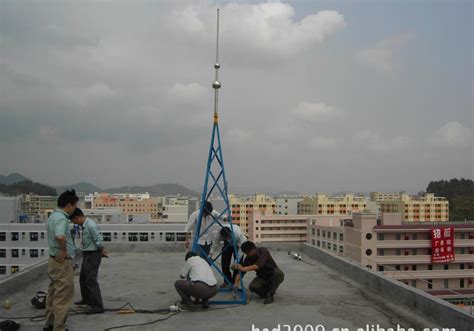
(269, 276)
(205, 240)
(225, 234)
(92, 253)
(60, 263)
(197, 280)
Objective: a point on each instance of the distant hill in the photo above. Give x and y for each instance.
(155, 190)
(12, 179)
(81, 187)
(26, 187)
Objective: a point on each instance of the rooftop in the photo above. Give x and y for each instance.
(312, 294)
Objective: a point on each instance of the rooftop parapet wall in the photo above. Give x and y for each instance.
(429, 307)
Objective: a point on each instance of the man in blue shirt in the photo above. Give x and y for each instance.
(60, 263)
(92, 253)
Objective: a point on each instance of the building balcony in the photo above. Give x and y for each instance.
(420, 243)
(421, 259)
(429, 274)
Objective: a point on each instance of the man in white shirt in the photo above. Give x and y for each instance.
(197, 280)
(227, 248)
(205, 240)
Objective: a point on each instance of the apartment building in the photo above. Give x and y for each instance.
(403, 251)
(428, 208)
(287, 205)
(384, 196)
(265, 226)
(38, 206)
(133, 204)
(321, 204)
(242, 208)
(327, 232)
(25, 244)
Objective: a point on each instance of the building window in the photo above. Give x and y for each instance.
(398, 251)
(33, 236)
(133, 236)
(170, 237)
(461, 283)
(446, 283)
(380, 252)
(413, 283)
(381, 268)
(23, 252)
(3, 253)
(3, 270)
(33, 253)
(143, 236)
(318, 232)
(341, 237)
(397, 267)
(446, 267)
(318, 243)
(42, 235)
(15, 253)
(415, 237)
(14, 269)
(42, 252)
(461, 266)
(413, 267)
(397, 236)
(430, 267)
(181, 236)
(3, 236)
(15, 236)
(413, 251)
(430, 284)
(380, 236)
(107, 236)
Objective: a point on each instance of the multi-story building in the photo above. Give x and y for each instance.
(403, 251)
(327, 232)
(132, 204)
(287, 205)
(321, 204)
(418, 209)
(243, 207)
(25, 244)
(265, 226)
(384, 196)
(38, 206)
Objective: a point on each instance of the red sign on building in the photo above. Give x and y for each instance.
(442, 245)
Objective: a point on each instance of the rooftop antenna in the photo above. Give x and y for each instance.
(215, 180)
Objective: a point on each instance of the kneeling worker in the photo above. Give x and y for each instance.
(92, 253)
(197, 281)
(269, 276)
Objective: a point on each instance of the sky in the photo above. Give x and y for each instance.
(317, 96)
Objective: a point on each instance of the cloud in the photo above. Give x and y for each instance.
(380, 57)
(265, 28)
(453, 134)
(308, 111)
(188, 93)
(322, 143)
(375, 142)
(84, 95)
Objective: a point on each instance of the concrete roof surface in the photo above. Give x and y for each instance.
(310, 294)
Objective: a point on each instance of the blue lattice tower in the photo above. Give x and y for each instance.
(215, 182)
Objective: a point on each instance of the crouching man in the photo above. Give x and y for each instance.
(269, 276)
(198, 281)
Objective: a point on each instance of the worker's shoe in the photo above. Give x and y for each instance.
(205, 304)
(95, 311)
(268, 299)
(185, 306)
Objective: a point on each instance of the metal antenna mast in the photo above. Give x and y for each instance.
(215, 180)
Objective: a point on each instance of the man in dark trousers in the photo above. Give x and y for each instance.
(92, 253)
(269, 276)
